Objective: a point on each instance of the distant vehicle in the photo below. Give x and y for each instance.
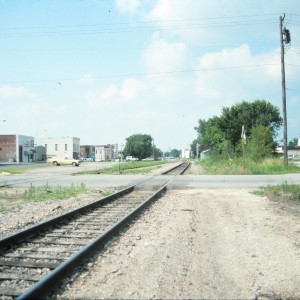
(63, 161)
(148, 159)
(131, 158)
(87, 159)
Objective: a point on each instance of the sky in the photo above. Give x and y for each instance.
(102, 70)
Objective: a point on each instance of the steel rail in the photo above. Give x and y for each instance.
(55, 276)
(178, 167)
(184, 169)
(43, 287)
(24, 234)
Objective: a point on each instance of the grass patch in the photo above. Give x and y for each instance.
(128, 168)
(42, 193)
(20, 169)
(12, 171)
(12, 198)
(238, 166)
(284, 190)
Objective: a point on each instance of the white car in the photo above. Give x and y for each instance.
(131, 158)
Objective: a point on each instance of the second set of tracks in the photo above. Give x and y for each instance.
(35, 260)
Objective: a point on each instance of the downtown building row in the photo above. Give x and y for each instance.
(22, 148)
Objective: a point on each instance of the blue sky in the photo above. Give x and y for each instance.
(102, 70)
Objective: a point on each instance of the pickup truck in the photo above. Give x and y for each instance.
(63, 161)
(131, 158)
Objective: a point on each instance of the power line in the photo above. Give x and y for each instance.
(139, 23)
(294, 90)
(129, 48)
(133, 27)
(141, 74)
(292, 49)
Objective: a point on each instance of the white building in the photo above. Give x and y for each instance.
(62, 147)
(185, 153)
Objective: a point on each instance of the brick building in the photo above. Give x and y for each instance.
(17, 148)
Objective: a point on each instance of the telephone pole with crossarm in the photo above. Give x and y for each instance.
(284, 38)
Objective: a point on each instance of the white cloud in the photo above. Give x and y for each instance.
(220, 21)
(10, 91)
(162, 55)
(241, 75)
(130, 91)
(187, 19)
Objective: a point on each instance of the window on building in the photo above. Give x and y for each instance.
(56, 147)
(66, 147)
(46, 147)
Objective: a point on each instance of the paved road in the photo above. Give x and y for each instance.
(65, 176)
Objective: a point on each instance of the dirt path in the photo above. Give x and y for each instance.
(200, 244)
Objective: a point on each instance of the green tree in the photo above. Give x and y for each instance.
(175, 153)
(249, 114)
(293, 142)
(167, 154)
(157, 152)
(172, 153)
(223, 134)
(211, 136)
(260, 143)
(139, 145)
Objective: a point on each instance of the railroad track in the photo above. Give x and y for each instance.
(178, 170)
(35, 260)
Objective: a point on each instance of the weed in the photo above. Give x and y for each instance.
(238, 166)
(284, 190)
(46, 192)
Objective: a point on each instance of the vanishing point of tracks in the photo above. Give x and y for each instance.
(35, 260)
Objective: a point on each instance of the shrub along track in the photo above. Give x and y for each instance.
(35, 260)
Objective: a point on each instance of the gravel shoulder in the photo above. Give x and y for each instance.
(200, 244)
(191, 243)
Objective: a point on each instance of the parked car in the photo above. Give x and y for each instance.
(131, 158)
(63, 161)
(148, 159)
(88, 159)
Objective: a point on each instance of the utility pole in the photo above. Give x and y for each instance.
(197, 151)
(153, 150)
(284, 37)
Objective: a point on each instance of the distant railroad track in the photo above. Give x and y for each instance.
(35, 260)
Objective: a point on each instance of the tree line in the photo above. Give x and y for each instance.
(142, 146)
(223, 134)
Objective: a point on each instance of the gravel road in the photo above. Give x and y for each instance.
(225, 244)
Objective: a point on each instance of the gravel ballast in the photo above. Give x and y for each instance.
(200, 244)
(197, 243)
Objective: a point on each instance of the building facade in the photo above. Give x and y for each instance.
(87, 151)
(62, 147)
(17, 148)
(105, 152)
(185, 153)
